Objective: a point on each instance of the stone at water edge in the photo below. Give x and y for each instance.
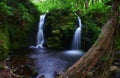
(42, 76)
(113, 68)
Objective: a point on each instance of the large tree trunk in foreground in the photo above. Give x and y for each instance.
(103, 70)
(99, 48)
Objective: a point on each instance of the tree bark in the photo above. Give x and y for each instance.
(107, 64)
(99, 48)
(86, 4)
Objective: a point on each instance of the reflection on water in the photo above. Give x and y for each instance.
(46, 62)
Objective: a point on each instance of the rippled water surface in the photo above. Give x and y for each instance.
(45, 61)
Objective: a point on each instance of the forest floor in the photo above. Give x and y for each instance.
(4, 72)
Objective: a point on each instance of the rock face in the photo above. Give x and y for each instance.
(59, 28)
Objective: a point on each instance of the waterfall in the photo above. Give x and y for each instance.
(40, 34)
(76, 44)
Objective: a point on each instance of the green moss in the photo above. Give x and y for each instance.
(54, 42)
(59, 28)
(19, 20)
(67, 24)
(55, 32)
(34, 73)
(3, 45)
(105, 58)
(61, 23)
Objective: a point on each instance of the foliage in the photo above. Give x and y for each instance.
(56, 44)
(3, 45)
(97, 8)
(98, 12)
(93, 30)
(18, 19)
(23, 13)
(73, 5)
(59, 28)
(21, 17)
(90, 32)
(105, 58)
(93, 19)
(48, 5)
(5, 9)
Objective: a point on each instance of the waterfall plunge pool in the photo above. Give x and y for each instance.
(45, 61)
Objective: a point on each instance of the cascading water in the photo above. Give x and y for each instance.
(40, 34)
(77, 37)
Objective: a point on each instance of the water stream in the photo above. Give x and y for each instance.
(76, 44)
(40, 34)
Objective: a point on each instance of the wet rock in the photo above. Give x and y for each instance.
(42, 76)
(114, 71)
(58, 73)
(113, 68)
(34, 73)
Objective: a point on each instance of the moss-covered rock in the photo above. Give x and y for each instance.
(22, 18)
(22, 37)
(18, 23)
(59, 28)
(4, 42)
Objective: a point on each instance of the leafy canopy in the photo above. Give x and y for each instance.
(74, 5)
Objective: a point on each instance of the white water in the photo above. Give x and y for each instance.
(77, 37)
(40, 34)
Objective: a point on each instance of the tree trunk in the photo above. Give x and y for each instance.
(77, 4)
(99, 48)
(107, 64)
(86, 4)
